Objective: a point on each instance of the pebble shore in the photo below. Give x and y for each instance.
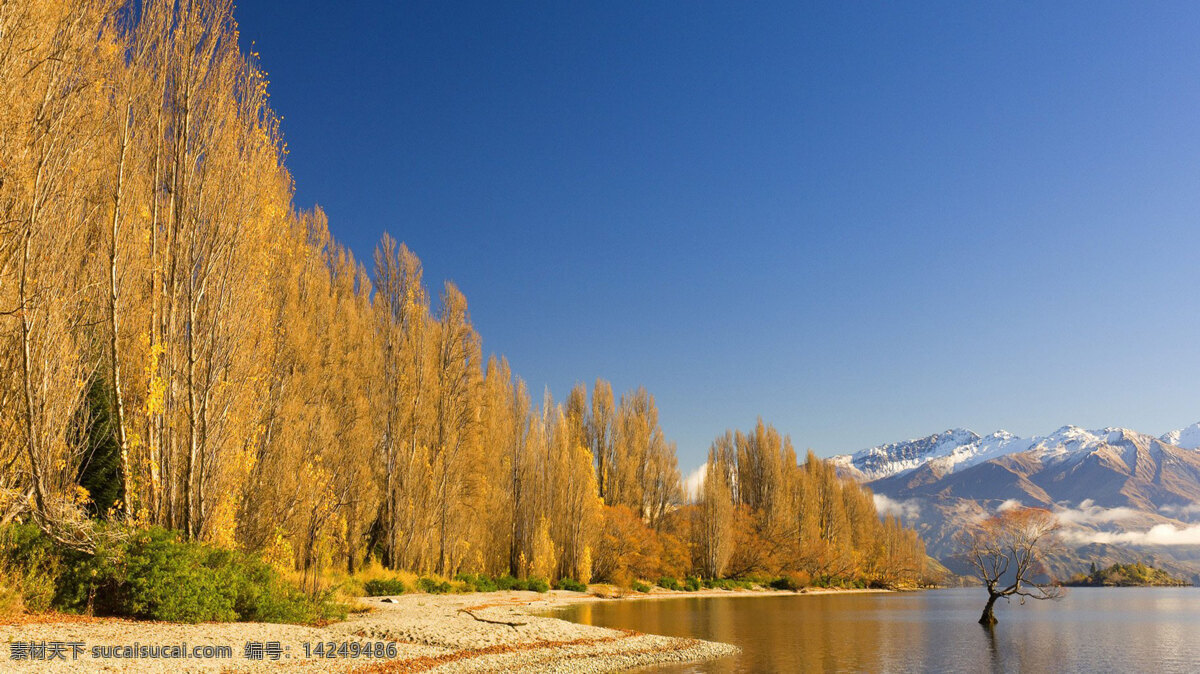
(490, 632)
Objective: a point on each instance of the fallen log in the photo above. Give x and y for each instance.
(513, 625)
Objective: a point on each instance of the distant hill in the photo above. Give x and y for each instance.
(1122, 496)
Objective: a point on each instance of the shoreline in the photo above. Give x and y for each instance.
(659, 593)
(476, 632)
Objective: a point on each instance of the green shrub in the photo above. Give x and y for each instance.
(533, 584)
(476, 583)
(639, 586)
(384, 587)
(32, 564)
(570, 584)
(669, 583)
(262, 596)
(151, 574)
(433, 586)
(728, 584)
(162, 579)
(691, 584)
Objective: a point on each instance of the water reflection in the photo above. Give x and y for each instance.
(1128, 629)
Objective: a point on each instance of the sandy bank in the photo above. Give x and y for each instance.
(493, 632)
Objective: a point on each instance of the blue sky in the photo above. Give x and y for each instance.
(862, 221)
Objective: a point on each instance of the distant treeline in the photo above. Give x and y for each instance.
(180, 346)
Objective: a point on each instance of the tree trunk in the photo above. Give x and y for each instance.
(114, 329)
(514, 545)
(153, 443)
(189, 474)
(351, 535)
(989, 617)
(27, 385)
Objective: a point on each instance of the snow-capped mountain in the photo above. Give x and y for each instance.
(898, 457)
(957, 449)
(953, 448)
(1188, 438)
(1120, 495)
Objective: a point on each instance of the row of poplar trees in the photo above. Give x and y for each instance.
(761, 510)
(179, 346)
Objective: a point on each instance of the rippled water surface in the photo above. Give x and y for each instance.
(1090, 630)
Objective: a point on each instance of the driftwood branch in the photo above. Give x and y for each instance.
(513, 625)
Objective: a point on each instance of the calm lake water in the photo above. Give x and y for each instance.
(1090, 630)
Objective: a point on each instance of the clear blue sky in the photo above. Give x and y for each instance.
(863, 221)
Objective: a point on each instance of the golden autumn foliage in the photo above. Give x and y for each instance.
(762, 513)
(182, 345)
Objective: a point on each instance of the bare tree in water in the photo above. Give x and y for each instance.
(1006, 552)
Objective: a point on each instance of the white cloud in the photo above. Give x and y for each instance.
(1090, 513)
(1177, 511)
(908, 509)
(1010, 504)
(1159, 534)
(694, 482)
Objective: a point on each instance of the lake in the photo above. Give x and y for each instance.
(1090, 630)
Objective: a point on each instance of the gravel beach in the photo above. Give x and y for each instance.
(490, 632)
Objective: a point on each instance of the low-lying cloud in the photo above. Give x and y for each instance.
(908, 509)
(1088, 513)
(1180, 510)
(1159, 534)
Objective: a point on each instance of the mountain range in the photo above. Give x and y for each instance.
(1121, 495)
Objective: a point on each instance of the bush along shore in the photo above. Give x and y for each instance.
(150, 574)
